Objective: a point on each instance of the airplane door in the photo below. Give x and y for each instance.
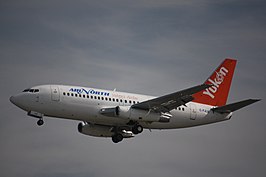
(55, 96)
(193, 111)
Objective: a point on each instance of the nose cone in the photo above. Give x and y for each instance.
(22, 101)
(12, 99)
(18, 101)
(15, 100)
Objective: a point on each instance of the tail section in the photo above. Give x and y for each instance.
(221, 79)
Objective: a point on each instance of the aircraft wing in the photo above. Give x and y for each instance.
(234, 106)
(171, 101)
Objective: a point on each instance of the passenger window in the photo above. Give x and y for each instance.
(134, 102)
(125, 101)
(121, 101)
(76, 95)
(130, 101)
(110, 99)
(64, 93)
(117, 100)
(106, 98)
(88, 96)
(79, 95)
(72, 94)
(67, 94)
(113, 100)
(183, 109)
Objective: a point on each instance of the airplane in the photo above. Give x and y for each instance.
(119, 115)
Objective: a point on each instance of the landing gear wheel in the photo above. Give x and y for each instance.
(117, 138)
(137, 129)
(80, 126)
(40, 122)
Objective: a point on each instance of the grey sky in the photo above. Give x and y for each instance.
(149, 47)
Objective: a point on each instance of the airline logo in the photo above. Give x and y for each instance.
(91, 91)
(216, 82)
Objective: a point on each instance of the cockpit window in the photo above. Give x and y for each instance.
(26, 90)
(31, 90)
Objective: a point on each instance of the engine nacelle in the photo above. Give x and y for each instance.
(100, 130)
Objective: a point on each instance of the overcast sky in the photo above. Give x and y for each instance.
(150, 47)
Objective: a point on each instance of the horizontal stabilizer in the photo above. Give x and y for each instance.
(234, 106)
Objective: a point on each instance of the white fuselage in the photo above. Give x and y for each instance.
(84, 104)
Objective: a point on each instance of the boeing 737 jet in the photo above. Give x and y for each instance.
(119, 115)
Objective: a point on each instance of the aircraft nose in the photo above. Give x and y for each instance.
(16, 100)
(21, 101)
(12, 99)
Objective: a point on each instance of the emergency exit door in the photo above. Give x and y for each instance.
(193, 111)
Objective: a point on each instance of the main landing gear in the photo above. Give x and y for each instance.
(136, 129)
(116, 138)
(40, 122)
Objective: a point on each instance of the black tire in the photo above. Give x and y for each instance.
(117, 138)
(80, 125)
(114, 139)
(40, 122)
(137, 129)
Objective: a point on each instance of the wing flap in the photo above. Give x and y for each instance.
(171, 101)
(234, 106)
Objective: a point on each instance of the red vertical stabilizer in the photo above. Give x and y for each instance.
(221, 79)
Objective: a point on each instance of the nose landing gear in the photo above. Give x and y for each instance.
(37, 115)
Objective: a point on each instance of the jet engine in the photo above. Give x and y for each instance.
(101, 130)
